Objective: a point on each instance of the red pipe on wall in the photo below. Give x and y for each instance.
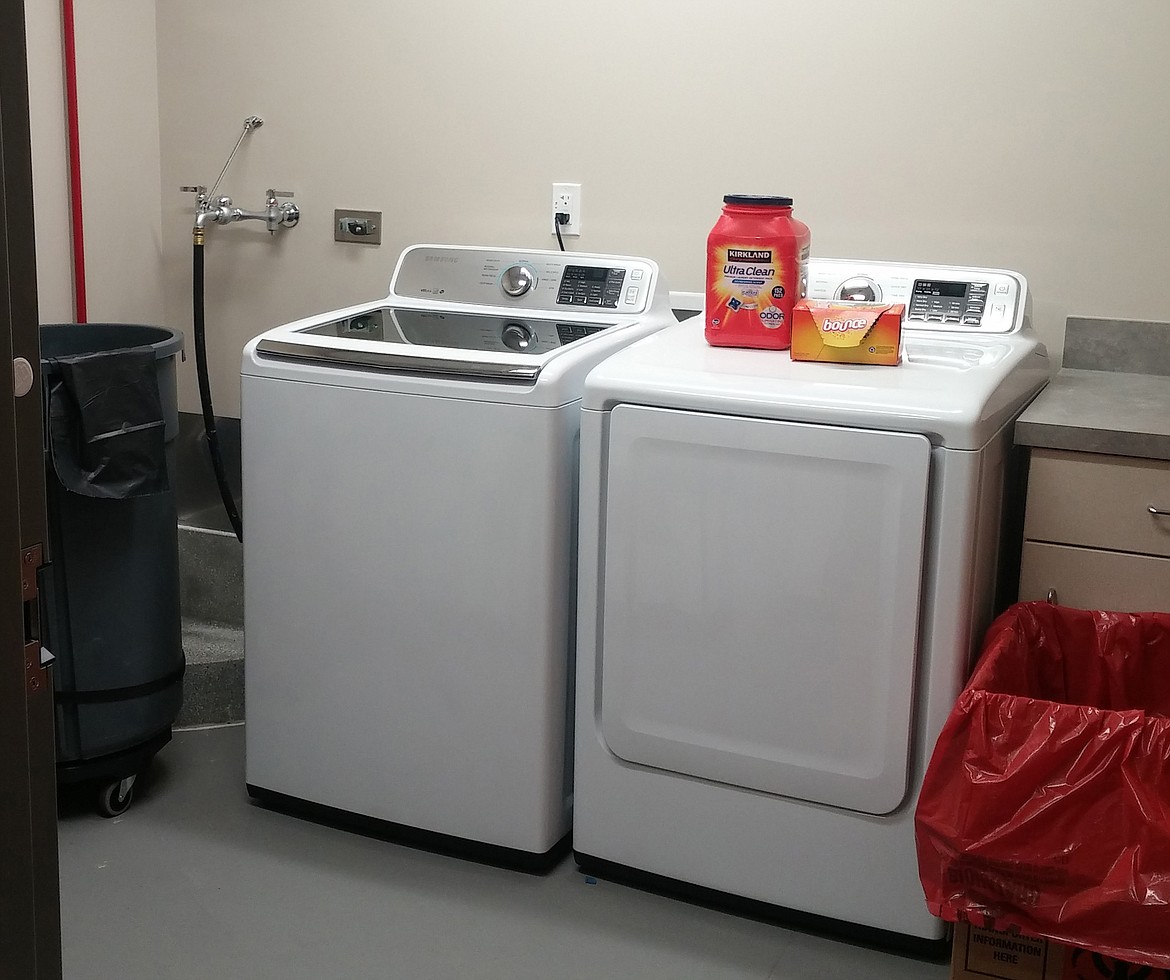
(74, 160)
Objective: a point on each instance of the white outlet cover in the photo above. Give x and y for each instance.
(567, 196)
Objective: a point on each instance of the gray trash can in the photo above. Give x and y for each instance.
(111, 587)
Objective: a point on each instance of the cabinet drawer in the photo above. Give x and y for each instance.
(1098, 501)
(1091, 579)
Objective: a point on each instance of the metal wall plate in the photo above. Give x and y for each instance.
(357, 226)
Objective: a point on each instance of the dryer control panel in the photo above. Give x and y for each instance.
(951, 298)
(538, 280)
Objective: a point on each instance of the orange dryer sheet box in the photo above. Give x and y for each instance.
(847, 333)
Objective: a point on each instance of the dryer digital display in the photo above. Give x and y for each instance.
(950, 289)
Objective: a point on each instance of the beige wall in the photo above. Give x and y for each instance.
(1032, 136)
(117, 81)
(117, 99)
(46, 92)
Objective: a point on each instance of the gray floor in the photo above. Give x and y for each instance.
(196, 882)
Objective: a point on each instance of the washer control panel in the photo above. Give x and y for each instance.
(951, 298)
(564, 282)
(586, 285)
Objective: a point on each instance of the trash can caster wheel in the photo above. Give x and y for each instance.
(114, 798)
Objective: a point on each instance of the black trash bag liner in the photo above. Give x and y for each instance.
(106, 424)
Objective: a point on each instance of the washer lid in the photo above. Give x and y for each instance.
(957, 390)
(498, 347)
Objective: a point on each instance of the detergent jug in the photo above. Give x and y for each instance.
(757, 268)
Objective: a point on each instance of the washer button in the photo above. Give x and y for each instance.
(632, 294)
(635, 274)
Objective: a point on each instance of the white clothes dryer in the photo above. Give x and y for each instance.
(410, 482)
(785, 569)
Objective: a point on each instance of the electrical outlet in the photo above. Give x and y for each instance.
(566, 199)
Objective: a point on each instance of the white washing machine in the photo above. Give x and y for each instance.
(785, 569)
(410, 483)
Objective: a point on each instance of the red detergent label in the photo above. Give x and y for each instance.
(751, 288)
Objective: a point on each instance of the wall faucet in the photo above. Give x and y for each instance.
(209, 208)
(276, 213)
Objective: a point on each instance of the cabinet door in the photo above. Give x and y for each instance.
(1099, 501)
(1089, 578)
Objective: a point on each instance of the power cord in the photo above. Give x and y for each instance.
(562, 219)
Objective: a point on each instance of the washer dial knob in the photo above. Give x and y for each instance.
(517, 279)
(517, 336)
(860, 289)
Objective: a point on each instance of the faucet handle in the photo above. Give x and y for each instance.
(284, 214)
(200, 192)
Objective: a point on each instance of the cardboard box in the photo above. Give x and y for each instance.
(986, 954)
(847, 333)
(981, 953)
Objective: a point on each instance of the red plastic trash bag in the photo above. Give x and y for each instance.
(1046, 804)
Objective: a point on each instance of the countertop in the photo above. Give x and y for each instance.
(1112, 394)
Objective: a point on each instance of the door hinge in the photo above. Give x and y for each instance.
(31, 559)
(34, 673)
(36, 658)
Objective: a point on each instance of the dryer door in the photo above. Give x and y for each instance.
(760, 602)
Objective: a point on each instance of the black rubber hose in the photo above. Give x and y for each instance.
(225, 491)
